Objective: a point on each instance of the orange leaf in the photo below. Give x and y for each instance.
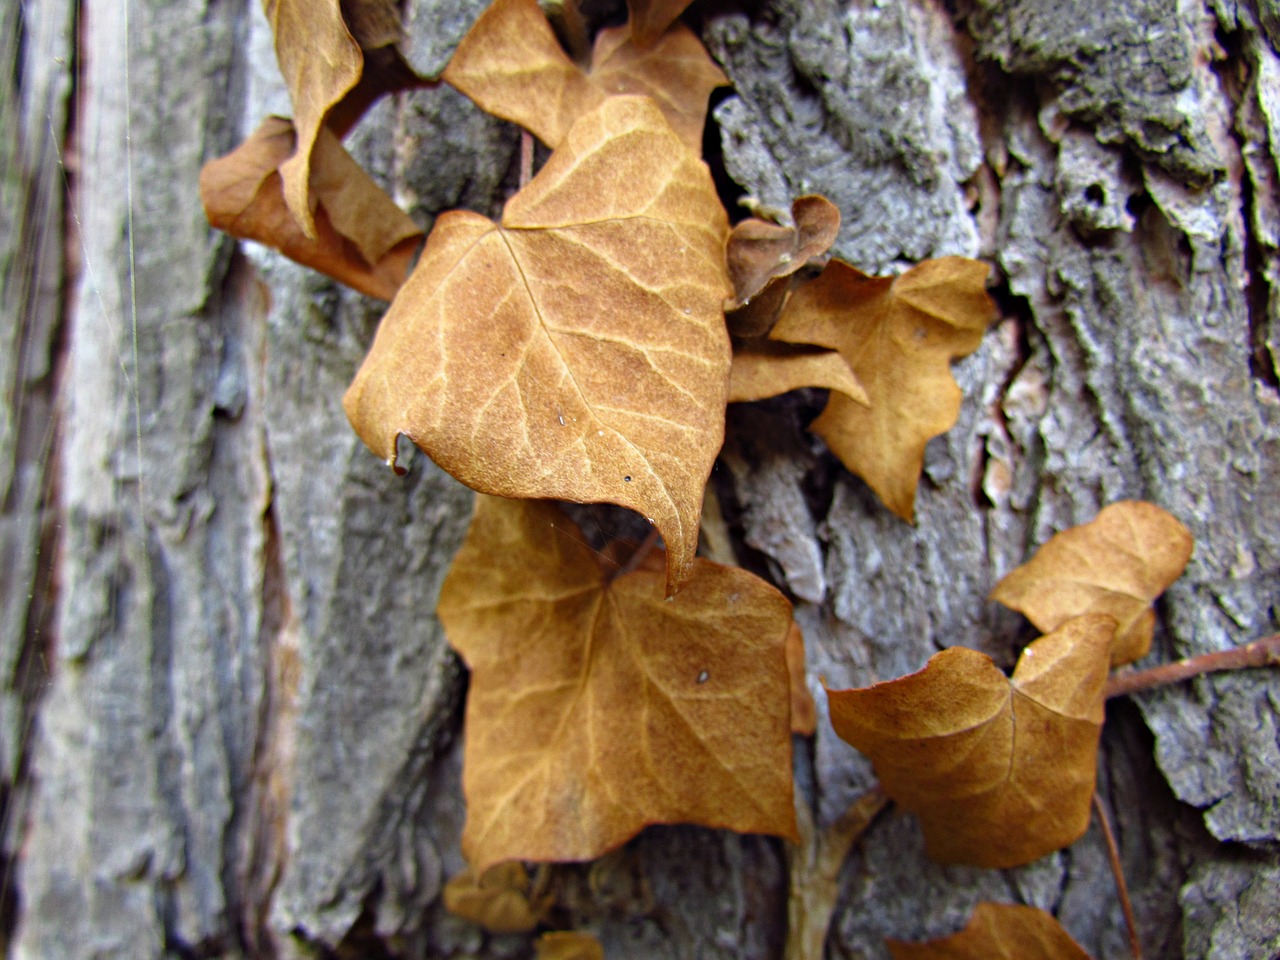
(899, 335)
(761, 254)
(804, 712)
(569, 945)
(1116, 564)
(999, 771)
(651, 18)
(998, 931)
(497, 899)
(362, 238)
(596, 707)
(767, 368)
(577, 351)
(511, 64)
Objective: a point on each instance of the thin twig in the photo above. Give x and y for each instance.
(637, 558)
(1113, 854)
(1260, 653)
(526, 157)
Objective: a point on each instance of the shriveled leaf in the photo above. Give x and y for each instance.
(804, 713)
(651, 18)
(899, 335)
(362, 238)
(320, 62)
(336, 59)
(497, 899)
(998, 931)
(596, 707)
(1117, 564)
(577, 351)
(767, 369)
(512, 65)
(569, 945)
(761, 252)
(999, 771)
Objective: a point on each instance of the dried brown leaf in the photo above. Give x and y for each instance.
(998, 931)
(336, 58)
(512, 65)
(320, 62)
(569, 945)
(899, 335)
(577, 351)
(1116, 564)
(768, 368)
(760, 251)
(999, 771)
(596, 707)
(497, 899)
(362, 238)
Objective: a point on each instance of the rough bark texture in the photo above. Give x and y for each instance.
(248, 740)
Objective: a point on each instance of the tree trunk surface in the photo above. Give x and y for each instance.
(231, 724)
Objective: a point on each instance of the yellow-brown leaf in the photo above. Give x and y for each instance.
(999, 771)
(497, 899)
(998, 931)
(899, 335)
(767, 368)
(320, 62)
(596, 707)
(362, 238)
(1116, 564)
(577, 351)
(511, 64)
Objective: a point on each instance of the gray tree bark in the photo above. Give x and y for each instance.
(230, 722)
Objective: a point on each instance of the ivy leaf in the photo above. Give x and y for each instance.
(568, 945)
(361, 237)
(320, 62)
(1116, 564)
(497, 899)
(512, 65)
(999, 771)
(899, 335)
(651, 18)
(596, 707)
(577, 351)
(766, 368)
(998, 931)
(334, 70)
(763, 255)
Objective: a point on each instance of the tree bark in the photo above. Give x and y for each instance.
(231, 723)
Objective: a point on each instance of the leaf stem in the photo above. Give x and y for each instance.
(637, 558)
(526, 157)
(1260, 653)
(1113, 854)
(814, 866)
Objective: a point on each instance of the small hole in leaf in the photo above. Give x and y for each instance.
(627, 479)
(1094, 194)
(703, 677)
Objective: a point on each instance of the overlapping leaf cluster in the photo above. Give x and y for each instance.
(583, 348)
